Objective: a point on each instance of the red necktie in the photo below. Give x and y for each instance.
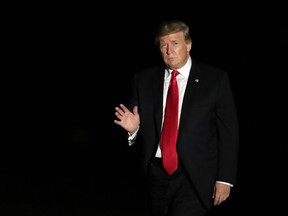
(170, 127)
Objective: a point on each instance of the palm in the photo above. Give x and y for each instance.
(127, 119)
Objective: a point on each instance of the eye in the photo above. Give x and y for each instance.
(163, 45)
(175, 43)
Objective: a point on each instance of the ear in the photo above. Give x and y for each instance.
(189, 45)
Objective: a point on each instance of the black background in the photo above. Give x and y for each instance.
(66, 65)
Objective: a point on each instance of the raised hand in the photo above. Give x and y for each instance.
(126, 119)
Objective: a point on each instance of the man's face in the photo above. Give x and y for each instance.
(174, 49)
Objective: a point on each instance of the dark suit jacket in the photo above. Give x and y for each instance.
(208, 129)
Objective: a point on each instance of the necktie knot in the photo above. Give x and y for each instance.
(174, 74)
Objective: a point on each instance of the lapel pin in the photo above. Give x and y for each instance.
(197, 80)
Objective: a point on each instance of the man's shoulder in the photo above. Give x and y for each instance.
(207, 68)
(150, 71)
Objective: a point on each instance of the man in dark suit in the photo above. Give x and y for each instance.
(207, 140)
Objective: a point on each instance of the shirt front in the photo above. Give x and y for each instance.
(182, 79)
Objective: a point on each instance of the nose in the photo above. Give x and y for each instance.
(169, 49)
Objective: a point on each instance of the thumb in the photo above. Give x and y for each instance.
(135, 110)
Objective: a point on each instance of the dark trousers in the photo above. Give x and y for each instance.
(171, 195)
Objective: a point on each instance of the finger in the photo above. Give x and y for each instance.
(118, 115)
(118, 122)
(124, 108)
(119, 111)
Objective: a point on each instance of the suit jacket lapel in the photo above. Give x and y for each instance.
(191, 89)
(158, 97)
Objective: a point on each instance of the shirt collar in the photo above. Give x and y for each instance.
(185, 70)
